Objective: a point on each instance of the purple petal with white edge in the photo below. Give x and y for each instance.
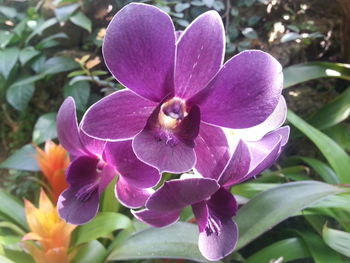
(139, 50)
(238, 166)
(265, 152)
(200, 53)
(243, 93)
(178, 34)
(284, 132)
(168, 150)
(211, 150)
(67, 128)
(118, 116)
(107, 175)
(218, 233)
(136, 173)
(274, 121)
(131, 196)
(156, 218)
(94, 146)
(179, 193)
(75, 211)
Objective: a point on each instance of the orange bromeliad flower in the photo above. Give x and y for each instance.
(53, 163)
(49, 230)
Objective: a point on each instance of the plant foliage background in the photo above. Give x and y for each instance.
(297, 211)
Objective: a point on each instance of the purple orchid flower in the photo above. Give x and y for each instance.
(212, 204)
(178, 88)
(94, 164)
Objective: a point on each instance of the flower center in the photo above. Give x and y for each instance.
(172, 113)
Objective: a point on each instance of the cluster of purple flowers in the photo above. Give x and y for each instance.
(183, 111)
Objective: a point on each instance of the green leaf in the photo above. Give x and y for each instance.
(318, 249)
(93, 251)
(102, 225)
(64, 12)
(27, 54)
(314, 70)
(249, 190)
(249, 33)
(80, 91)
(45, 128)
(108, 201)
(22, 159)
(18, 256)
(341, 134)
(12, 209)
(4, 259)
(18, 96)
(335, 155)
(338, 240)
(290, 249)
(5, 38)
(277, 204)
(332, 113)
(50, 41)
(8, 59)
(59, 64)
(327, 174)
(7, 11)
(179, 240)
(335, 201)
(41, 27)
(81, 20)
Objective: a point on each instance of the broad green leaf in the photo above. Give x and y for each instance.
(22, 159)
(59, 64)
(179, 240)
(45, 128)
(4, 259)
(13, 227)
(41, 27)
(18, 96)
(80, 91)
(320, 252)
(18, 256)
(12, 209)
(27, 54)
(277, 204)
(338, 240)
(64, 12)
(81, 20)
(8, 59)
(335, 201)
(332, 113)
(93, 251)
(335, 155)
(300, 73)
(7, 11)
(341, 134)
(249, 190)
(290, 249)
(102, 225)
(50, 41)
(250, 33)
(5, 38)
(321, 168)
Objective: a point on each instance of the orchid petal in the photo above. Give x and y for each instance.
(131, 196)
(200, 52)
(274, 121)
(211, 150)
(139, 50)
(244, 92)
(179, 193)
(73, 210)
(168, 150)
(156, 218)
(135, 172)
(238, 166)
(118, 116)
(67, 128)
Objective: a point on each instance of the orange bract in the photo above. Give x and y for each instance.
(49, 230)
(53, 162)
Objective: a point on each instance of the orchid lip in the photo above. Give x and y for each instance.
(213, 226)
(87, 191)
